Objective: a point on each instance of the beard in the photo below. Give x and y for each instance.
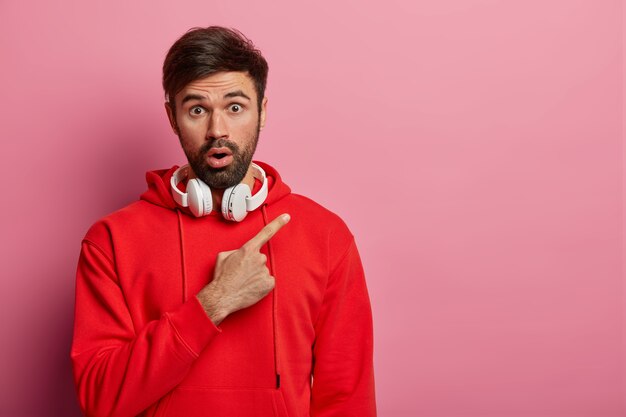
(229, 175)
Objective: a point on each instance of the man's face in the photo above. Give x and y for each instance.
(217, 121)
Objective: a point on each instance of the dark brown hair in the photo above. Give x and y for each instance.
(204, 51)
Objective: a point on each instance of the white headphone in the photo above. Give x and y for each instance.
(237, 200)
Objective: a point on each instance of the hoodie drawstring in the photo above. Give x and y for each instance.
(274, 301)
(182, 254)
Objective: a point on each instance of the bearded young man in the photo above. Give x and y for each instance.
(202, 248)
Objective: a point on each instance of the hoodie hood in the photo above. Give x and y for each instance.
(160, 194)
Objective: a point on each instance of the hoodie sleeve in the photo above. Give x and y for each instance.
(343, 374)
(120, 370)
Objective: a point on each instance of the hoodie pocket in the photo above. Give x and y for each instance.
(280, 409)
(223, 402)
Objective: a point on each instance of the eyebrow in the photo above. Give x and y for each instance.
(236, 93)
(189, 97)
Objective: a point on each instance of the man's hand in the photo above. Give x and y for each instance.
(241, 277)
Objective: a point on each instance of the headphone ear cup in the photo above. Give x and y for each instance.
(234, 202)
(199, 197)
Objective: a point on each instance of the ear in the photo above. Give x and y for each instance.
(263, 112)
(171, 117)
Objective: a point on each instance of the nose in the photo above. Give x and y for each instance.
(217, 128)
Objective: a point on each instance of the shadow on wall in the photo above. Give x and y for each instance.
(60, 381)
(40, 372)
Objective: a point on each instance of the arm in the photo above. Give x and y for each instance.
(120, 370)
(343, 374)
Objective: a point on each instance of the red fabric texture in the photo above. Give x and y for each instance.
(140, 347)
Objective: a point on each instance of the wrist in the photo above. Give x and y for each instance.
(211, 302)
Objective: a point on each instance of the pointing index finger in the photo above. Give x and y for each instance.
(267, 232)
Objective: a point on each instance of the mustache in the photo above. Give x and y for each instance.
(219, 143)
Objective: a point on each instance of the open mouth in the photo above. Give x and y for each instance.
(219, 153)
(219, 157)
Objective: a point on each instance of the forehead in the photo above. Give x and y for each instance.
(216, 86)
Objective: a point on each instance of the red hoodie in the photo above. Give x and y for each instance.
(143, 344)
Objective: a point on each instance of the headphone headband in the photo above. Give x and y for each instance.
(179, 175)
(255, 201)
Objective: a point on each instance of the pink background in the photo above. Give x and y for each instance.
(475, 148)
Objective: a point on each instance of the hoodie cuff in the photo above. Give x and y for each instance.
(192, 326)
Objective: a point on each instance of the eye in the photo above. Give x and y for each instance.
(197, 110)
(236, 108)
